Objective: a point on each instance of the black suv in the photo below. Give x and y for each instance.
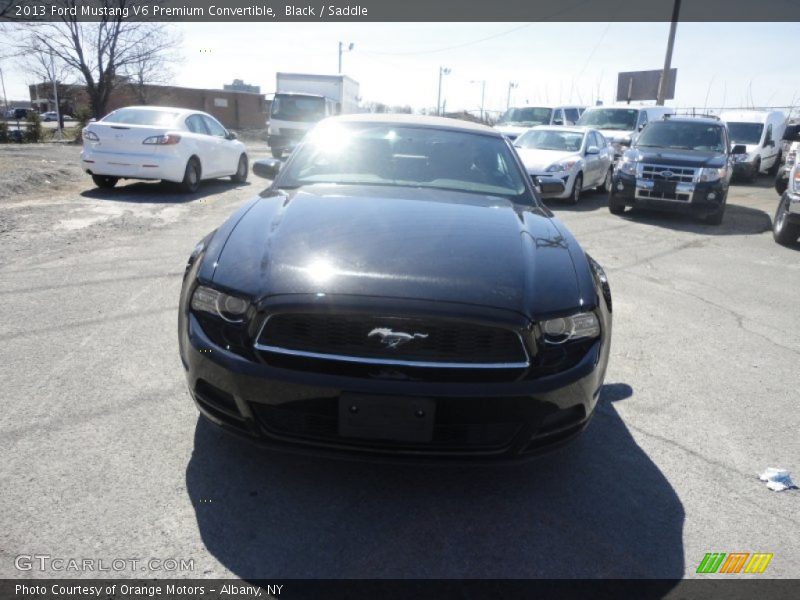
(678, 163)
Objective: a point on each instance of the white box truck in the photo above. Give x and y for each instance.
(303, 99)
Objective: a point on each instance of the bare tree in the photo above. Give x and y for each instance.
(102, 53)
(148, 69)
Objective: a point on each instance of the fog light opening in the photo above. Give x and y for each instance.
(620, 186)
(712, 196)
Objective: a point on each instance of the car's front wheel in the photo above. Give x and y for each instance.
(715, 218)
(241, 171)
(776, 165)
(781, 183)
(615, 206)
(575, 196)
(104, 181)
(756, 171)
(606, 185)
(191, 177)
(784, 232)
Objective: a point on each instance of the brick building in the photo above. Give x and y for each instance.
(234, 109)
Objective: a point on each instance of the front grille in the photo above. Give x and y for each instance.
(667, 173)
(392, 341)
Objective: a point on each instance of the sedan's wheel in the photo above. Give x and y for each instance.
(606, 185)
(784, 232)
(756, 171)
(191, 178)
(104, 181)
(575, 196)
(615, 207)
(241, 172)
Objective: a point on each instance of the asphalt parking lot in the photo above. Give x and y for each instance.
(104, 455)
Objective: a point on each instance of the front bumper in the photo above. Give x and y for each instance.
(284, 408)
(701, 198)
(744, 169)
(567, 178)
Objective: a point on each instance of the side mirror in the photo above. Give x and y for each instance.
(549, 186)
(231, 135)
(592, 150)
(267, 167)
(739, 149)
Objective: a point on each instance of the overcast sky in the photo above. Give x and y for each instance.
(398, 63)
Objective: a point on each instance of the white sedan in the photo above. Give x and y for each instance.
(579, 156)
(158, 142)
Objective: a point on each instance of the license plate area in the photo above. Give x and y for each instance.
(665, 188)
(391, 418)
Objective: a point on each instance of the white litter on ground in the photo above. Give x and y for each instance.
(777, 479)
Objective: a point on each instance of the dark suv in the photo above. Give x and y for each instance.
(679, 163)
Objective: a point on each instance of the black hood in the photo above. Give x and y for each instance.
(403, 243)
(677, 157)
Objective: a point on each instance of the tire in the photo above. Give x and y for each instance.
(241, 171)
(781, 183)
(191, 177)
(773, 170)
(606, 185)
(277, 153)
(104, 181)
(715, 218)
(783, 232)
(756, 171)
(577, 187)
(615, 207)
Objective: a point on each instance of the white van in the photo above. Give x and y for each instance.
(621, 124)
(518, 119)
(761, 132)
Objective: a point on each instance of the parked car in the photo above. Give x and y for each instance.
(53, 116)
(791, 144)
(579, 156)
(448, 314)
(517, 120)
(760, 132)
(621, 124)
(19, 113)
(159, 142)
(678, 163)
(786, 224)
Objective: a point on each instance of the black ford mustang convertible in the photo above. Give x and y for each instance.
(399, 289)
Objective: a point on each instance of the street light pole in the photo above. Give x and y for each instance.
(342, 50)
(5, 98)
(442, 72)
(663, 84)
(55, 96)
(511, 86)
(483, 94)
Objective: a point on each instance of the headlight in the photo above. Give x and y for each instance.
(90, 135)
(741, 157)
(790, 158)
(564, 329)
(712, 174)
(627, 166)
(229, 308)
(564, 165)
(796, 182)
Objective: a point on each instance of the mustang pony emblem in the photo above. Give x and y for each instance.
(393, 339)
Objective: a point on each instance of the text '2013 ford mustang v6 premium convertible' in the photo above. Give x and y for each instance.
(399, 289)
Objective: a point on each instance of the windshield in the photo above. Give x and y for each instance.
(140, 116)
(745, 133)
(623, 119)
(529, 116)
(298, 108)
(400, 155)
(551, 139)
(683, 135)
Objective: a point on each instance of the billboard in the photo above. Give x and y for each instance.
(643, 85)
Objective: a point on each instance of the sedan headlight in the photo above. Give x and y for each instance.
(564, 329)
(229, 308)
(741, 157)
(90, 135)
(712, 174)
(564, 165)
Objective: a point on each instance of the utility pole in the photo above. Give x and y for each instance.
(5, 98)
(511, 86)
(442, 72)
(55, 96)
(350, 47)
(663, 84)
(483, 94)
